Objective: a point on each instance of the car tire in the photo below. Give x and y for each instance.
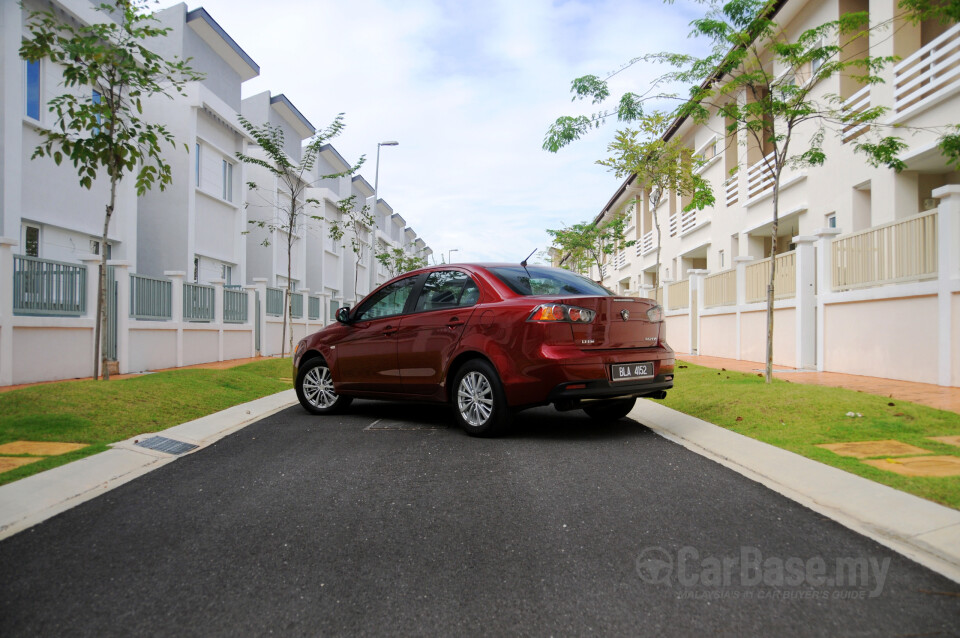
(610, 410)
(314, 386)
(478, 399)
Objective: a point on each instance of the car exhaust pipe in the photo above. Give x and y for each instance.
(659, 394)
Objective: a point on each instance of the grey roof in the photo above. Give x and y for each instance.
(328, 148)
(362, 180)
(282, 100)
(201, 14)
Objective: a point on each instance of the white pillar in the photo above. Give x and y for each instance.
(948, 256)
(260, 283)
(92, 262)
(122, 274)
(740, 265)
(666, 301)
(825, 237)
(305, 295)
(252, 317)
(6, 310)
(695, 304)
(806, 320)
(218, 313)
(176, 307)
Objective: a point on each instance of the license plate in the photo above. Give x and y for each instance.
(631, 371)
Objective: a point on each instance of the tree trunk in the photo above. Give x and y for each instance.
(773, 273)
(656, 224)
(100, 350)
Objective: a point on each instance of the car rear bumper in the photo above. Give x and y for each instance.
(603, 389)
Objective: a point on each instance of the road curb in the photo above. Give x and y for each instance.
(36, 498)
(919, 529)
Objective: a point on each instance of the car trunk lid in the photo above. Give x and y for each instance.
(620, 322)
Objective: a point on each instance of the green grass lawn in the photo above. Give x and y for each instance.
(797, 417)
(98, 412)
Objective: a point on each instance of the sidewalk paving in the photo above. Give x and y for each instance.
(934, 396)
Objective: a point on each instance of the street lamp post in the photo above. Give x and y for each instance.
(376, 175)
(450, 254)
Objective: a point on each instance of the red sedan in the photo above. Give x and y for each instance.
(491, 339)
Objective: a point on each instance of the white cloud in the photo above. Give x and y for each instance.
(468, 88)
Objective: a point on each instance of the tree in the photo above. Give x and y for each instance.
(353, 223)
(765, 84)
(397, 261)
(107, 70)
(587, 243)
(658, 165)
(290, 205)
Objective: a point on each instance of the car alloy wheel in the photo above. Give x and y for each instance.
(481, 405)
(314, 386)
(475, 399)
(318, 387)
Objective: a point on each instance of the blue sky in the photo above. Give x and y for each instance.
(468, 88)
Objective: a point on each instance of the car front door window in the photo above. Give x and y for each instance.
(386, 302)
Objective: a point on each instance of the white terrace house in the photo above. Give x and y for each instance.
(868, 260)
(196, 225)
(324, 254)
(50, 227)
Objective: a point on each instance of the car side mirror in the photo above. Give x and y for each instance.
(343, 315)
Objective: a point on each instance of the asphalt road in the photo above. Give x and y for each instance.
(302, 525)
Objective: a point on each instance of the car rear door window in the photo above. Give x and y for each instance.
(446, 289)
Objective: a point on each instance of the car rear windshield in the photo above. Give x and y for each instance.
(534, 280)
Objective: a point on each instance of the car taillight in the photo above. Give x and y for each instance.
(561, 312)
(655, 314)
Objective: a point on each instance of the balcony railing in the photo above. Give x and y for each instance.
(900, 251)
(760, 177)
(45, 287)
(679, 295)
(720, 289)
(646, 243)
(732, 190)
(674, 225)
(688, 220)
(929, 75)
(235, 306)
(151, 298)
(855, 104)
(620, 260)
(784, 283)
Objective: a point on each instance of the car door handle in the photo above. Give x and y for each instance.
(455, 321)
(389, 330)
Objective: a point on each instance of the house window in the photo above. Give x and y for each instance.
(31, 241)
(196, 168)
(226, 273)
(95, 99)
(227, 181)
(196, 269)
(95, 248)
(831, 221)
(721, 259)
(33, 89)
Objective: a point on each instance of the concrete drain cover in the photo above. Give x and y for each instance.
(169, 446)
(920, 465)
(866, 449)
(384, 424)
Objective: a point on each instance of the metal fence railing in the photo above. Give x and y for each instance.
(198, 302)
(678, 294)
(296, 305)
(45, 287)
(904, 250)
(720, 289)
(275, 302)
(151, 298)
(313, 308)
(235, 306)
(784, 283)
